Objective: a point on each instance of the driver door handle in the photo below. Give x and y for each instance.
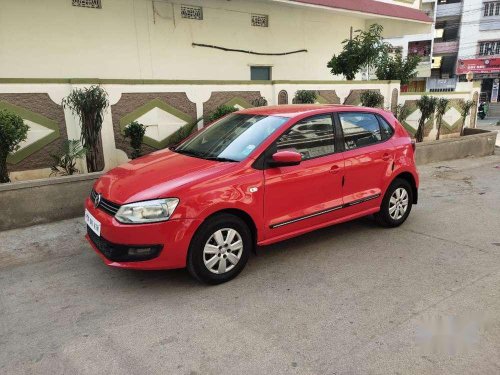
(386, 157)
(334, 169)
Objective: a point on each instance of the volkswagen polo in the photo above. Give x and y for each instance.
(253, 178)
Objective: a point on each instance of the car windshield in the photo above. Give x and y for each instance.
(232, 138)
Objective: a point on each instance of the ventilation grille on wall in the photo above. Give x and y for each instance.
(88, 3)
(191, 12)
(260, 20)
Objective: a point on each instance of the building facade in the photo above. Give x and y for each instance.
(467, 46)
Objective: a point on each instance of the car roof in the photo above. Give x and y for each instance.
(293, 110)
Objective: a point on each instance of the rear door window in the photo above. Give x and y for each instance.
(360, 129)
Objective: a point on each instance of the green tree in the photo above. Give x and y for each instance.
(361, 51)
(13, 131)
(442, 106)
(88, 105)
(465, 106)
(427, 106)
(395, 67)
(371, 98)
(135, 132)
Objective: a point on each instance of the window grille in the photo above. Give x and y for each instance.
(491, 8)
(260, 20)
(489, 48)
(87, 3)
(191, 12)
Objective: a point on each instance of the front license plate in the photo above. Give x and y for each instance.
(92, 223)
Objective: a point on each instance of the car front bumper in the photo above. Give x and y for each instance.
(170, 238)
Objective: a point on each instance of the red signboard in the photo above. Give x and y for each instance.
(478, 66)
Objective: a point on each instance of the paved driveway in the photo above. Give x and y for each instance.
(352, 299)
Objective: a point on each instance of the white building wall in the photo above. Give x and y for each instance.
(470, 30)
(142, 39)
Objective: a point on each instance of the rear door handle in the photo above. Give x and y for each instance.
(386, 157)
(335, 169)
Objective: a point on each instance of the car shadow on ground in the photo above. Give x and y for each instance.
(291, 248)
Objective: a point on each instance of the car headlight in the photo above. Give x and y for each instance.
(147, 211)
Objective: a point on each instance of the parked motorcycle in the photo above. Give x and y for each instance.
(482, 110)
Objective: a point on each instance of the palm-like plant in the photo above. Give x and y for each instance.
(401, 112)
(427, 106)
(65, 162)
(441, 108)
(88, 105)
(466, 106)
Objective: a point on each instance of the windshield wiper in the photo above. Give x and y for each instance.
(215, 158)
(188, 153)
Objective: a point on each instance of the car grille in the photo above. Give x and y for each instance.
(120, 253)
(105, 205)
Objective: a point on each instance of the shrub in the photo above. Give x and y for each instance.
(373, 99)
(305, 97)
(427, 105)
(65, 162)
(135, 132)
(88, 105)
(441, 108)
(221, 111)
(13, 131)
(259, 102)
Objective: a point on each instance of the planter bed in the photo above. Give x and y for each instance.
(475, 142)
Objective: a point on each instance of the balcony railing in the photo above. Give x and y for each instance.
(445, 47)
(449, 10)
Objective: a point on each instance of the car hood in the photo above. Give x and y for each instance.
(156, 175)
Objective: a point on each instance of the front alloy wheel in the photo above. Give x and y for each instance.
(219, 249)
(223, 251)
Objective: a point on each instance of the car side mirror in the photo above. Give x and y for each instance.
(286, 158)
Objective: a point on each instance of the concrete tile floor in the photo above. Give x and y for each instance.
(352, 299)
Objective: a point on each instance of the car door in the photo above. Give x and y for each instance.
(299, 197)
(368, 156)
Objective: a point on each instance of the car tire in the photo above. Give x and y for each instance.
(396, 205)
(215, 255)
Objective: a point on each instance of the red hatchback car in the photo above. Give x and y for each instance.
(255, 177)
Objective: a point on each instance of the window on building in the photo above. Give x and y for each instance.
(87, 3)
(312, 137)
(360, 129)
(191, 12)
(489, 48)
(260, 73)
(491, 8)
(260, 20)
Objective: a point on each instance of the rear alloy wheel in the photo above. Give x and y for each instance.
(220, 249)
(396, 205)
